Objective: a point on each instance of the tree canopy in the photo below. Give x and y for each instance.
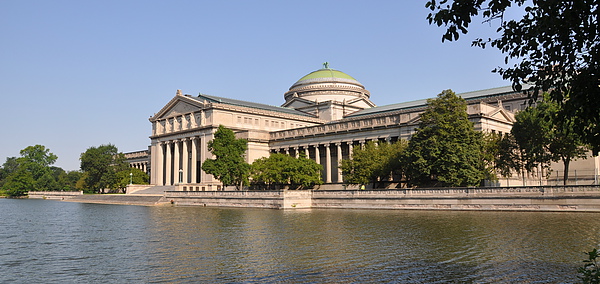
(101, 165)
(554, 46)
(32, 171)
(376, 162)
(229, 165)
(445, 150)
(281, 169)
(543, 136)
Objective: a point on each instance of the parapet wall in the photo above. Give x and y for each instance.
(548, 198)
(53, 194)
(569, 198)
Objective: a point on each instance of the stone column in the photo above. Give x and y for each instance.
(158, 164)
(176, 162)
(168, 164)
(306, 152)
(296, 152)
(194, 164)
(203, 157)
(327, 163)
(185, 160)
(339, 161)
(350, 149)
(317, 155)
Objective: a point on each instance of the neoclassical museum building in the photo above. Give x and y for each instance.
(324, 115)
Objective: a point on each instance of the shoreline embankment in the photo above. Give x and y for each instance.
(535, 198)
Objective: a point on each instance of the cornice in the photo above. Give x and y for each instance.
(265, 113)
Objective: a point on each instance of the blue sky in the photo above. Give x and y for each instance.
(76, 74)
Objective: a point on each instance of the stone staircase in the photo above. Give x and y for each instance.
(153, 190)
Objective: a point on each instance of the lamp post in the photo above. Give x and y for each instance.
(130, 178)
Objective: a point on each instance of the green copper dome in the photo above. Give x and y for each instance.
(327, 73)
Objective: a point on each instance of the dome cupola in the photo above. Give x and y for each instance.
(341, 92)
(327, 84)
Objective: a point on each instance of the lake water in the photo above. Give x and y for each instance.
(43, 241)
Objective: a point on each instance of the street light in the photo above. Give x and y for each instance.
(130, 178)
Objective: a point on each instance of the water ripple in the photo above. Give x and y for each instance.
(51, 241)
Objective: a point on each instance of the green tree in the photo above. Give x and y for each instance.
(532, 134)
(555, 47)
(376, 162)
(133, 175)
(490, 154)
(10, 166)
(100, 166)
(31, 171)
(229, 165)
(445, 150)
(37, 160)
(365, 166)
(304, 172)
(19, 183)
(544, 136)
(71, 179)
(511, 157)
(281, 169)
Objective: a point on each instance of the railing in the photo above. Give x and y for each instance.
(223, 193)
(507, 191)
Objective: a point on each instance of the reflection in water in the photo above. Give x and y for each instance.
(71, 242)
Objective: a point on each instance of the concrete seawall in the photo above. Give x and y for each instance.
(561, 198)
(572, 198)
(58, 195)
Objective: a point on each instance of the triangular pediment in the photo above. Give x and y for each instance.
(180, 108)
(501, 114)
(298, 103)
(179, 105)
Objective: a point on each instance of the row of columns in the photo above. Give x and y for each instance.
(143, 166)
(179, 160)
(331, 163)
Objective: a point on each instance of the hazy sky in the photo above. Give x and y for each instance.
(75, 74)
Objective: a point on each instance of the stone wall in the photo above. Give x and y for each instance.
(60, 195)
(251, 199)
(569, 198)
(562, 198)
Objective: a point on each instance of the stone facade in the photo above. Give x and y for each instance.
(326, 113)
